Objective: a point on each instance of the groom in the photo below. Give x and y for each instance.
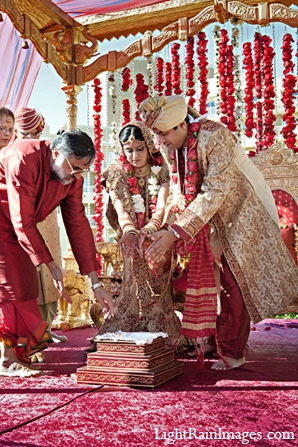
(222, 213)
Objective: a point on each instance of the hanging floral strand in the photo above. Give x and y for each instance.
(168, 90)
(159, 78)
(98, 199)
(112, 93)
(248, 90)
(126, 83)
(258, 52)
(258, 75)
(216, 39)
(222, 70)
(190, 70)
(289, 88)
(150, 75)
(203, 76)
(237, 80)
(176, 72)
(269, 92)
(141, 93)
(231, 100)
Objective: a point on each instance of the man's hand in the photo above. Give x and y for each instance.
(162, 241)
(58, 281)
(105, 300)
(143, 236)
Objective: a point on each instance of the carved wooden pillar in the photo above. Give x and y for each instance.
(72, 92)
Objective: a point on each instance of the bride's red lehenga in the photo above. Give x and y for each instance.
(145, 302)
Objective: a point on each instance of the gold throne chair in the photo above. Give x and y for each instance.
(279, 166)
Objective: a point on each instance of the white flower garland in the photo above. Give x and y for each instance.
(153, 187)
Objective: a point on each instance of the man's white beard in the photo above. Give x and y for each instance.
(59, 174)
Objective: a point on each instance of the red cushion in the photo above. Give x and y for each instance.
(288, 237)
(287, 208)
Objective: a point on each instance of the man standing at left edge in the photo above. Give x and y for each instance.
(36, 177)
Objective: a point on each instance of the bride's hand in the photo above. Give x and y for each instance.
(130, 244)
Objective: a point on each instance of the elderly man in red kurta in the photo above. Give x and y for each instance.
(36, 177)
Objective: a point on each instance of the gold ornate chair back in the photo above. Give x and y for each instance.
(279, 166)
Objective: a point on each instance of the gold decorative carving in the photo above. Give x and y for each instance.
(281, 13)
(65, 43)
(81, 50)
(28, 30)
(201, 20)
(220, 8)
(134, 48)
(147, 44)
(76, 314)
(243, 12)
(263, 13)
(168, 34)
(276, 158)
(183, 29)
(279, 166)
(111, 254)
(70, 44)
(72, 91)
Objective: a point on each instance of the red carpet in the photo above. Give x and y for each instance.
(256, 405)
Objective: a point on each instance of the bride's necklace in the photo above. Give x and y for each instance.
(142, 173)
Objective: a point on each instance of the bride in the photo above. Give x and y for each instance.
(138, 187)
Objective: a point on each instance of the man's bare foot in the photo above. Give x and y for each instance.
(11, 366)
(19, 370)
(208, 349)
(38, 357)
(231, 363)
(57, 338)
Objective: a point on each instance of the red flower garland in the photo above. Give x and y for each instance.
(269, 92)
(141, 92)
(168, 90)
(231, 99)
(176, 72)
(98, 166)
(289, 88)
(126, 79)
(159, 78)
(125, 111)
(203, 76)
(191, 171)
(249, 85)
(126, 83)
(190, 70)
(222, 71)
(258, 75)
(133, 185)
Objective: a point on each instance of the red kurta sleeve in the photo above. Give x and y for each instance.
(79, 231)
(22, 174)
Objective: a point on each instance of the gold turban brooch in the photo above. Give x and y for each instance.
(163, 112)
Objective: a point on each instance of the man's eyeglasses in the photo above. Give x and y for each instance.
(6, 129)
(77, 171)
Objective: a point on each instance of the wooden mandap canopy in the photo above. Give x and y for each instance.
(68, 33)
